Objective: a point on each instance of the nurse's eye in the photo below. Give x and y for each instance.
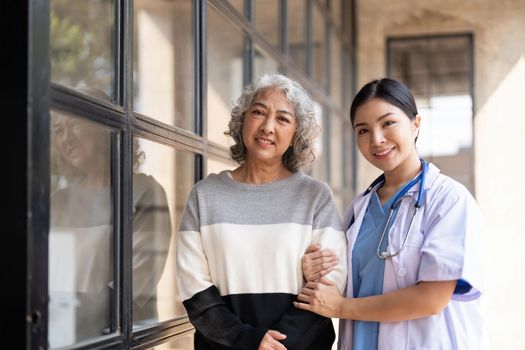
(361, 131)
(389, 123)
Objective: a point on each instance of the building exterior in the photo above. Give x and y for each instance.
(117, 108)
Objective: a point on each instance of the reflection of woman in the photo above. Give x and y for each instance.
(81, 239)
(415, 277)
(244, 232)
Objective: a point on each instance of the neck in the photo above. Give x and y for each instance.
(97, 177)
(253, 173)
(403, 173)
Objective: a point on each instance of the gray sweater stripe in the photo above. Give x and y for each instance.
(302, 196)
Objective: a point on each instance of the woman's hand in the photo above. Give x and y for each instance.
(317, 263)
(270, 341)
(321, 297)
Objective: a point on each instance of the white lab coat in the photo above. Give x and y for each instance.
(446, 243)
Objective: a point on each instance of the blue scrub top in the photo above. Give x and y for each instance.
(367, 268)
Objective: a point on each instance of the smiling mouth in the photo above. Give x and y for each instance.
(264, 141)
(383, 154)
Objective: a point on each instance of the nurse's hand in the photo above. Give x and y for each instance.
(270, 341)
(318, 262)
(321, 297)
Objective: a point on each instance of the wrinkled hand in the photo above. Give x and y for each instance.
(317, 263)
(321, 297)
(270, 341)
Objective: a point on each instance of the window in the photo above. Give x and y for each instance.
(163, 67)
(438, 70)
(82, 231)
(83, 44)
(140, 96)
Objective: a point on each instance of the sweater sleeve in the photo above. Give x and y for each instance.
(301, 327)
(201, 298)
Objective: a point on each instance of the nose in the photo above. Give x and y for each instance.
(267, 126)
(377, 138)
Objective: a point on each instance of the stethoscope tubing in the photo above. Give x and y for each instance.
(395, 203)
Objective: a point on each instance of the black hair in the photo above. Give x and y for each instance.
(389, 90)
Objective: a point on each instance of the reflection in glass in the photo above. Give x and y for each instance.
(225, 52)
(296, 13)
(81, 264)
(164, 61)
(162, 180)
(267, 20)
(82, 43)
(318, 47)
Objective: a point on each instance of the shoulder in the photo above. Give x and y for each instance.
(442, 186)
(308, 183)
(446, 194)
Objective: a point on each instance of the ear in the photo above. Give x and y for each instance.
(416, 122)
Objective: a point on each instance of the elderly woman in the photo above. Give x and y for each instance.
(244, 231)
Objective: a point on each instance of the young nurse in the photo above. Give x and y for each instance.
(415, 251)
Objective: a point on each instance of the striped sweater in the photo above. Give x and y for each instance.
(239, 250)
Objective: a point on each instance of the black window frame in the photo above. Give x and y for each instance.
(36, 95)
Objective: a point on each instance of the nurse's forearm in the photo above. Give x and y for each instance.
(421, 300)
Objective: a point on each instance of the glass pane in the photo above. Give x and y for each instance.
(336, 70)
(348, 156)
(82, 44)
(182, 342)
(347, 80)
(318, 47)
(437, 70)
(238, 4)
(318, 167)
(81, 264)
(336, 10)
(263, 64)
(336, 151)
(162, 181)
(164, 61)
(296, 12)
(216, 165)
(267, 20)
(225, 52)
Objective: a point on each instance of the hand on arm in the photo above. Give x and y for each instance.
(318, 262)
(271, 341)
(421, 300)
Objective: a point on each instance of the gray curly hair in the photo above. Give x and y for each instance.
(302, 151)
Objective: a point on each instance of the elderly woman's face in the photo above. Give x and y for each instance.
(79, 142)
(269, 127)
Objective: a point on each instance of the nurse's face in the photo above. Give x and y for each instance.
(385, 135)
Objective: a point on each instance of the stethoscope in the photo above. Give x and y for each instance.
(395, 204)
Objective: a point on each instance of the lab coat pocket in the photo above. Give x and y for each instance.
(415, 239)
(405, 266)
